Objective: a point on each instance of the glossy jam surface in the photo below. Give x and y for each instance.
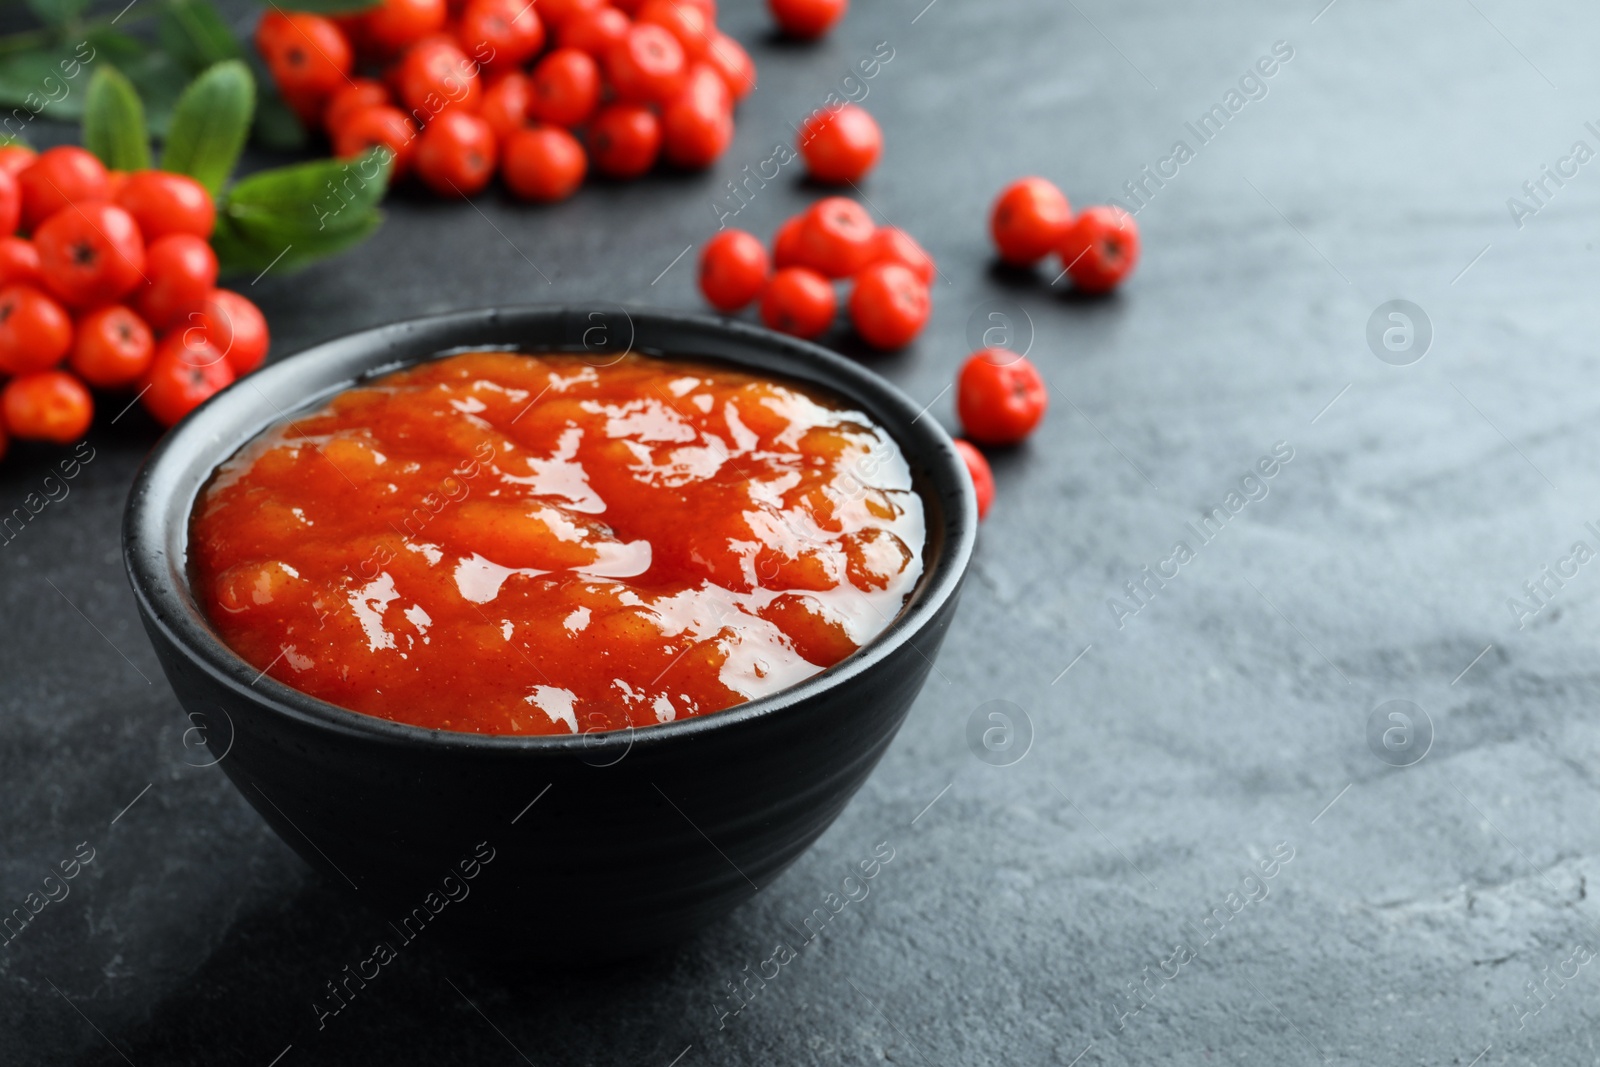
(549, 544)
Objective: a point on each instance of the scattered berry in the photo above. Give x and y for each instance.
(799, 301)
(733, 269)
(786, 249)
(1030, 218)
(890, 300)
(836, 237)
(841, 145)
(982, 476)
(807, 19)
(1100, 249)
(889, 305)
(1000, 397)
(892, 245)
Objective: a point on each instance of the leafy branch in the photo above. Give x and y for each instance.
(285, 216)
(42, 69)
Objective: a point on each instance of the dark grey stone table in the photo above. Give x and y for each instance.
(1224, 843)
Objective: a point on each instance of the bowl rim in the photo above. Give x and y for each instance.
(212, 433)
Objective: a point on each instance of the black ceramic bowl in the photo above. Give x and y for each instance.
(599, 845)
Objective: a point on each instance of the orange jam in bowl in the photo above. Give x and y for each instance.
(506, 543)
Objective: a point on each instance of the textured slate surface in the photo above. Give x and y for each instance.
(1226, 718)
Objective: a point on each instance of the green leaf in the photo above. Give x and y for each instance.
(156, 75)
(107, 42)
(194, 34)
(57, 12)
(241, 251)
(43, 82)
(313, 196)
(301, 212)
(113, 121)
(160, 80)
(210, 124)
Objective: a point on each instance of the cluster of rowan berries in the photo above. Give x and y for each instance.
(1000, 395)
(834, 239)
(111, 274)
(1098, 247)
(457, 90)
